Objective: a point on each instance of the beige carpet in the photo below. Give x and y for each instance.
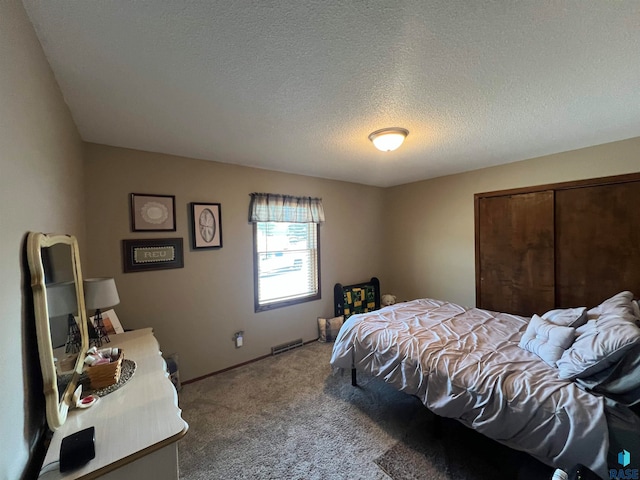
(289, 417)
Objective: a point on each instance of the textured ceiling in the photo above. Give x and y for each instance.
(297, 85)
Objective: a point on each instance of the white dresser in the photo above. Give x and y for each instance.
(136, 427)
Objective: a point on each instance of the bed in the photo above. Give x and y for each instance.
(477, 366)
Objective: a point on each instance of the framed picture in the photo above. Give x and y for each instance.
(153, 213)
(111, 322)
(206, 225)
(152, 254)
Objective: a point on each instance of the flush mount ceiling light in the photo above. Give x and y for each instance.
(388, 139)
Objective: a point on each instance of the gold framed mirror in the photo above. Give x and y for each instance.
(61, 319)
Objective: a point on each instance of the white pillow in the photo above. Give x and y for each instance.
(567, 317)
(546, 340)
(603, 340)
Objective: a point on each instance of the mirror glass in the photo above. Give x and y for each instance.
(61, 326)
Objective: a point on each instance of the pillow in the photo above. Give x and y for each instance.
(328, 328)
(620, 382)
(546, 340)
(608, 334)
(621, 303)
(567, 317)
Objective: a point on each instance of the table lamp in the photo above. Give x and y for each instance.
(99, 293)
(61, 300)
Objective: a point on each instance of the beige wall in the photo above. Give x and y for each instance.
(195, 310)
(430, 225)
(41, 184)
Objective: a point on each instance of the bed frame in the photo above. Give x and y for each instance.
(357, 298)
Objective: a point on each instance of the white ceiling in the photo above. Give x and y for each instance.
(297, 85)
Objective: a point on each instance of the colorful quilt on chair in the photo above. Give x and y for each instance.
(359, 300)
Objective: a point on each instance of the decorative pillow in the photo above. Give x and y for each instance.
(546, 340)
(328, 328)
(567, 317)
(610, 332)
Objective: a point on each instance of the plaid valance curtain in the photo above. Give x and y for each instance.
(273, 207)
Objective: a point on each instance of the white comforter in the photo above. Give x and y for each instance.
(466, 364)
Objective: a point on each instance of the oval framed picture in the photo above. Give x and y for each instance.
(206, 225)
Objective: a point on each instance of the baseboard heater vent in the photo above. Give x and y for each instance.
(286, 346)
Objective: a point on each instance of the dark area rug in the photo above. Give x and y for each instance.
(440, 448)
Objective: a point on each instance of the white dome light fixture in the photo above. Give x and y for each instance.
(388, 139)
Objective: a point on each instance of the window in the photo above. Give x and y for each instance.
(286, 264)
(286, 253)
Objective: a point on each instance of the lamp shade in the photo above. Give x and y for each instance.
(61, 299)
(388, 139)
(100, 293)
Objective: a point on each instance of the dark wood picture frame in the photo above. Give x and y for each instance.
(152, 254)
(206, 225)
(153, 213)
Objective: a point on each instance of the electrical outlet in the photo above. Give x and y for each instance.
(238, 338)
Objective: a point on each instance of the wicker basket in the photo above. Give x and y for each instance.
(107, 374)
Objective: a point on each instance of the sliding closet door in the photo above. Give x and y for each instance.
(515, 252)
(598, 243)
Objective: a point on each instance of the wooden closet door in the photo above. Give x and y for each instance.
(598, 243)
(515, 253)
